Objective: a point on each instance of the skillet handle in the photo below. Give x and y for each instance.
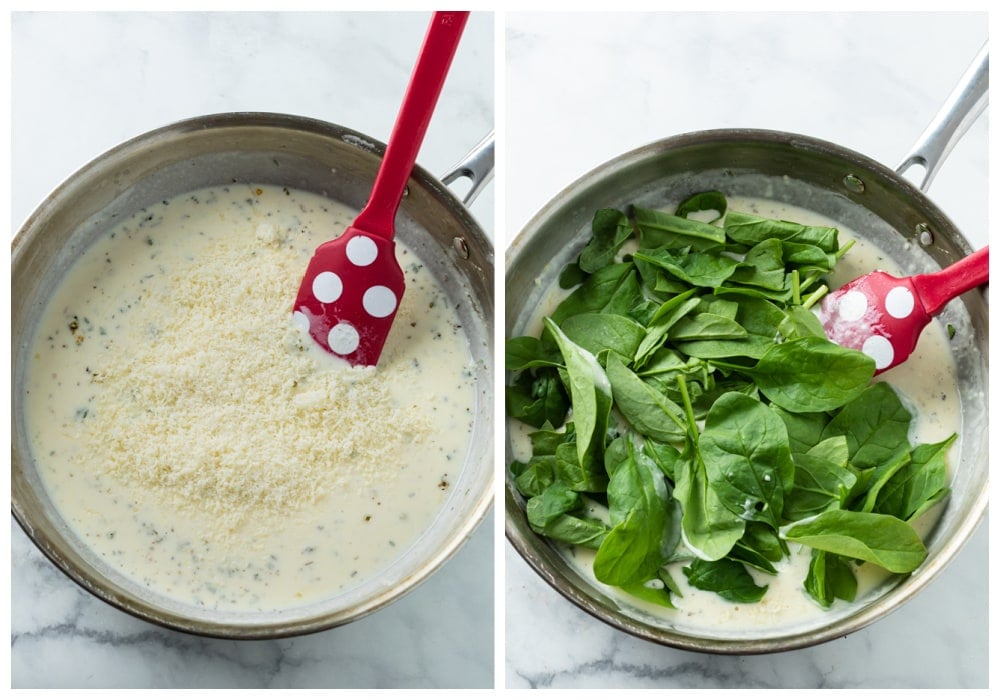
(477, 165)
(966, 102)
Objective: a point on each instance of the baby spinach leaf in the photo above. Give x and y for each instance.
(557, 499)
(751, 229)
(537, 475)
(812, 374)
(642, 532)
(545, 442)
(875, 423)
(666, 316)
(583, 532)
(627, 299)
(709, 529)
(879, 476)
(665, 456)
(658, 229)
(646, 409)
(594, 294)
(571, 276)
(590, 392)
(762, 266)
(652, 591)
(697, 269)
(763, 539)
(726, 577)
(759, 317)
(751, 557)
(712, 201)
(587, 476)
(526, 352)
(807, 256)
(873, 537)
(538, 399)
(804, 429)
(611, 228)
(918, 483)
(706, 326)
(822, 480)
(830, 577)
(595, 332)
(747, 460)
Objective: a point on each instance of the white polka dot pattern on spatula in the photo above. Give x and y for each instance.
(348, 310)
(882, 316)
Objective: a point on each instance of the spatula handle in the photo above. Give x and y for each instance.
(936, 289)
(429, 73)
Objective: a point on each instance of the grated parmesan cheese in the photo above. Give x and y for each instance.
(223, 406)
(202, 444)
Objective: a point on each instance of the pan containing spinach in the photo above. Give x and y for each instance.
(688, 421)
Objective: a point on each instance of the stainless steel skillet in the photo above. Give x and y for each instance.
(283, 150)
(846, 186)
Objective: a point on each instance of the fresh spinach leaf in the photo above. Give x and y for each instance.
(830, 577)
(652, 591)
(538, 399)
(595, 332)
(527, 352)
(647, 410)
(712, 201)
(571, 276)
(822, 480)
(876, 425)
(611, 228)
(706, 326)
(709, 528)
(586, 476)
(590, 392)
(537, 475)
(697, 269)
(643, 524)
(751, 229)
(873, 537)
(658, 229)
(922, 481)
(594, 294)
(557, 499)
(747, 460)
(571, 529)
(812, 374)
(669, 313)
(726, 577)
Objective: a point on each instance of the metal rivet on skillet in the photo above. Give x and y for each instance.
(461, 246)
(925, 235)
(854, 184)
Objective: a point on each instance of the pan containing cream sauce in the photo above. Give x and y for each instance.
(802, 179)
(215, 472)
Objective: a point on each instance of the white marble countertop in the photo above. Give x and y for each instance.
(84, 82)
(583, 89)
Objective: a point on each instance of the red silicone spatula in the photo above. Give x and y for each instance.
(883, 316)
(353, 284)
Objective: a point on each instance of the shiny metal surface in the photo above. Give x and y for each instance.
(266, 148)
(813, 174)
(964, 105)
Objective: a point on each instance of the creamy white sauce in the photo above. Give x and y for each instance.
(926, 383)
(321, 517)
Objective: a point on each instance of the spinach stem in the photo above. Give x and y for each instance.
(847, 246)
(688, 409)
(796, 291)
(815, 296)
(810, 280)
